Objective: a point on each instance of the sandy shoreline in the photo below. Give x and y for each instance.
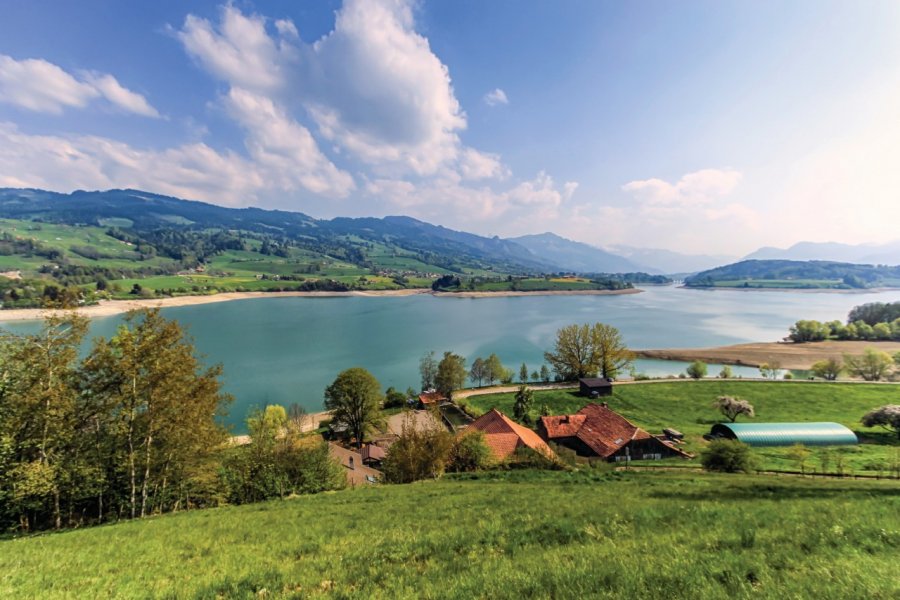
(108, 308)
(789, 356)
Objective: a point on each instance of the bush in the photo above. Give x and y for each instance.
(696, 370)
(727, 456)
(470, 452)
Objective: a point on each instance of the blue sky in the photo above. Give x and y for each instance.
(713, 127)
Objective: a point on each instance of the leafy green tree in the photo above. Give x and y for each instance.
(585, 351)
(523, 373)
(696, 370)
(887, 416)
(523, 404)
(872, 365)
(726, 372)
(799, 454)
(393, 398)
(727, 456)
(882, 331)
(493, 369)
(477, 372)
(428, 370)
(535, 376)
(829, 369)
(809, 331)
(732, 407)
(545, 373)
(451, 374)
(354, 399)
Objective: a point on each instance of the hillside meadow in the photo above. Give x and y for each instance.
(592, 533)
(686, 406)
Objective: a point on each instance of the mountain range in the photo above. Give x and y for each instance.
(433, 244)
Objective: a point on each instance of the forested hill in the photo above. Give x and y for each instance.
(796, 274)
(138, 211)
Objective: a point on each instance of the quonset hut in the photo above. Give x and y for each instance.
(785, 434)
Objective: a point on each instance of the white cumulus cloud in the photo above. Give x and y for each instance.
(41, 86)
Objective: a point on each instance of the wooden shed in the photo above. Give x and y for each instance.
(592, 387)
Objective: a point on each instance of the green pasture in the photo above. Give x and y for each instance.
(686, 406)
(515, 534)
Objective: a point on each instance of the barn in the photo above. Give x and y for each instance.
(592, 387)
(785, 434)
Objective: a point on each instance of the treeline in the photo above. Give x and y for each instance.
(128, 430)
(875, 321)
(849, 276)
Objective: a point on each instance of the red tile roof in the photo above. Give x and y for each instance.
(504, 436)
(373, 452)
(603, 430)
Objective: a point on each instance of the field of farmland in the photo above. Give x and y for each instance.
(685, 406)
(587, 534)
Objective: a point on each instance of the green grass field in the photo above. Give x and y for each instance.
(517, 534)
(685, 406)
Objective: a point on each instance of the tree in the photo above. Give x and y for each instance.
(726, 372)
(522, 406)
(545, 373)
(535, 376)
(394, 398)
(523, 373)
(470, 452)
(727, 456)
(493, 369)
(451, 374)
(417, 453)
(354, 399)
(809, 331)
(477, 372)
(585, 351)
(887, 416)
(799, 454)
(872, 365)
(732, 407)
(770, 370)
(696, 370)
(829, 369)
(428, 370)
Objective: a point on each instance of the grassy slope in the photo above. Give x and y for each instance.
(685, 405)
(506, 535)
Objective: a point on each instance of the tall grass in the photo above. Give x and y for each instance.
(592, 533)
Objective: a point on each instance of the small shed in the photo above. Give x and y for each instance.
(785, 434)
(593, 387)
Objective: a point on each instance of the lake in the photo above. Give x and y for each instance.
(286, 350)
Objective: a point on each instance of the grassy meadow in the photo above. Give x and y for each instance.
(685, 406)
(592, 533)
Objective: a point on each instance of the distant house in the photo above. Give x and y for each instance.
(593, 387)
(357, 473)
(372, 455)
(595, 431)
(431, 399)
(504, 436)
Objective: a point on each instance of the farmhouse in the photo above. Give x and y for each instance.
(357, 473)
(595, 431)
(593, 387)
(504, 436)
(432, 398)
(785, 434)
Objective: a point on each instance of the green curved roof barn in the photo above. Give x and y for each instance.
(785, 434)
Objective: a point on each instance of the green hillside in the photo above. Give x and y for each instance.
(592, 534)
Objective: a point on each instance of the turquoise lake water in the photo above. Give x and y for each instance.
(285, 350)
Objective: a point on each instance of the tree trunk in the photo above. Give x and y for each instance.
(144, 490)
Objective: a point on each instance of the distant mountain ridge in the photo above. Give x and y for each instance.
(578, 256)
(875, 254)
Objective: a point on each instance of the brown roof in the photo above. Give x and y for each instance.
(371, 451)
(504, 436)
(595, 382)
(431, 397)
(603, 430)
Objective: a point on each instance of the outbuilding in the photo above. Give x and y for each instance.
(593, 387)
(785, 434)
